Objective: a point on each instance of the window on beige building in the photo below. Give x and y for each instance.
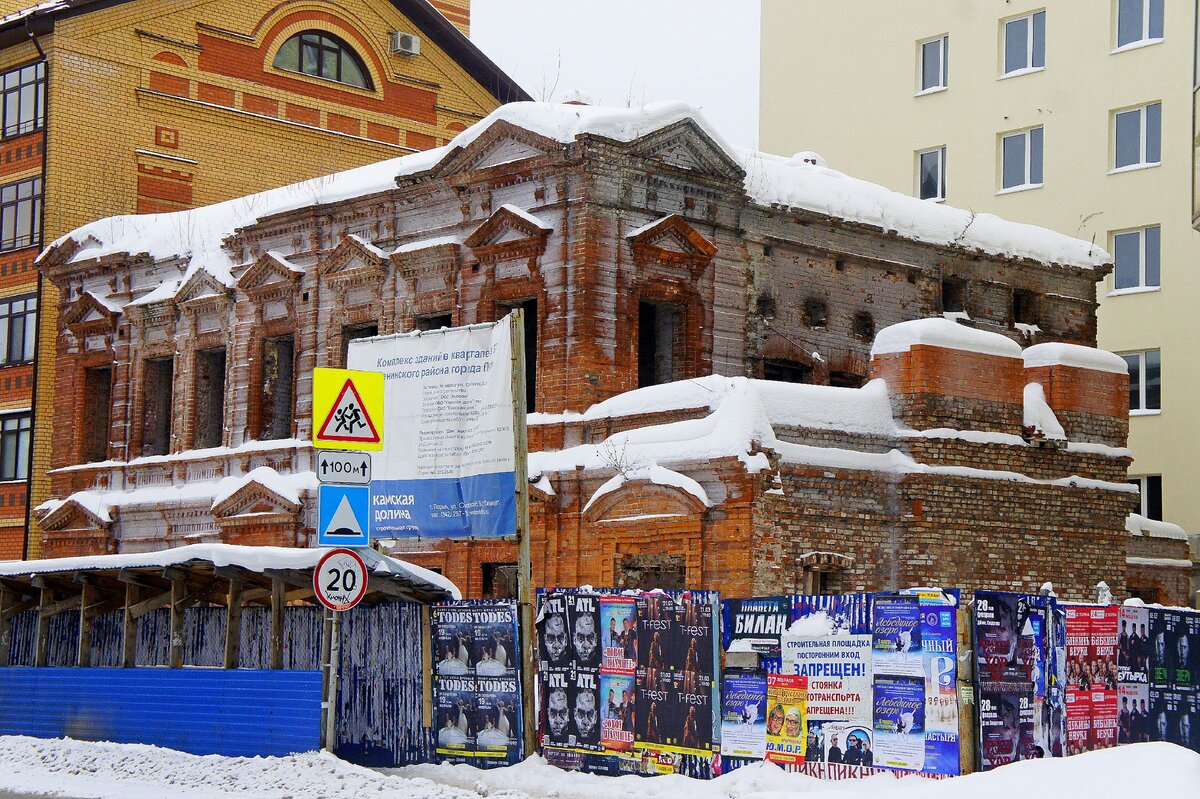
(1150, 502)
(1021, 159)
(1145, 378)
(1136, 258)
(1139, 22)
(931, 174)
(934, 64)
(1025, 43)
(1137, 136)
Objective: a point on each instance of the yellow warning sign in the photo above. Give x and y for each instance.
(347, 409)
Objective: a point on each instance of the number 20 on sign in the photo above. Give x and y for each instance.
(340, 579)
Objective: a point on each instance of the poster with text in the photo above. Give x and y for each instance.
(754, 625)
(1079, 721)
(618, 698)
(744, 715)
(896, 636)
(1133, 713)
(497, 720)
(556, 724)
(898, 719)
(554, 638)
(453, 640)
(838, 668)
(846, 743)
(1182, 631)
(448, 459)
(1160, 659)
(494, 637)
(583, 616)
(939, 640)
(1133, 646)
(787, 733)
(618, 620)
(1000, 726)
(997, 636)
(455, 718)
(583, 691)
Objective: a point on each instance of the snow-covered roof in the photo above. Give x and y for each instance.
(1054, 354)
(251, 558)
(1138, 524)
(939, 332)
(198, 234)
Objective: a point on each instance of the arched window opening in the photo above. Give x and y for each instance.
(324, 56)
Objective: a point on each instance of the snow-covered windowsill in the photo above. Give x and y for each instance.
(1016, 73)
(1138, 45)
(1133, 290)
(931, 90)
(1144, 412)
(1133, 168)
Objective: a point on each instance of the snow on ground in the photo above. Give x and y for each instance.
(83, 770)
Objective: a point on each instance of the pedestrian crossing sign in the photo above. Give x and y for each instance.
(347, 409)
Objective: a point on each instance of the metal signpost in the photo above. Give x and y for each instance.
(340, 579)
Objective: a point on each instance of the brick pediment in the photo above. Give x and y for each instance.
(72, 515)
(353, 257)
(502, 143)
(255, 499)
(508, 233)
(201, 285)
(88, 311)
(271, 272)
(643, 500)
(685, 145)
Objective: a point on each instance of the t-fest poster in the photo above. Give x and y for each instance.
(627, 679)
(476, 683)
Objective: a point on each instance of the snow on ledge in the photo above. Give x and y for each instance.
(1054, 354)
(425, 244)
(1169, 563)
(1039, 415)
(1138, 524)
(659, 475)
(528, 217)
(939, 332)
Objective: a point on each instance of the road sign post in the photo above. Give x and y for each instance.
(344, 515)
(525, 613)
(340, 579)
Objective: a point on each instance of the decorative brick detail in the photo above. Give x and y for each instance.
(257, 104)
(303, 114)
(419, 141)
(166, 137)
(169, 84)
(383, 133)
(343, 124)
(217, 95)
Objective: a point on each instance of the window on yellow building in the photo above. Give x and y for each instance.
(24, 105)
(20, 214)
(323, 55)
(14, 446)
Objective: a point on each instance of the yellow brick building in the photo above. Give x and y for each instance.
(146, 106)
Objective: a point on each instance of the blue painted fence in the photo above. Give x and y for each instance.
(203, 711)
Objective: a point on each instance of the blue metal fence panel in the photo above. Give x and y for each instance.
(203, 711)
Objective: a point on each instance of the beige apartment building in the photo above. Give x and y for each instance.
(1071, 114)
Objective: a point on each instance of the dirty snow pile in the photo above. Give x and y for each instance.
(118, 771)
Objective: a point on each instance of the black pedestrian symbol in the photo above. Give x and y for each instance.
(348, 419)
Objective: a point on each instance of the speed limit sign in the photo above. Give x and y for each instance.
(340, 579)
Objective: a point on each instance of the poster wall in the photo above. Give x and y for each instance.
(629, 683)
(476, 683)
(787, 734)
(447, 468)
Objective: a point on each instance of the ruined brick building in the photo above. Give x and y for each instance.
(700, 330)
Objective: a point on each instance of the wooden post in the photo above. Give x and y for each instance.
(42, 645)
(175, 652)
(968, 702)
(233, 623)
(83, 653)
(129, 628)
(524, 557)
(427, 657)
(7, 600)
(326, 669)
(335, 659)
(278, 603)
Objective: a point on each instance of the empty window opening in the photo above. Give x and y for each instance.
(864, 325)
(210, 398)
(1024, 307)
(954, 295)
(355, 332)
(846, 379)
(157, 377)
(651, 571)
(814, 312)
(434, 321)
(658, 331)
(787, 371)
(97, 406)
(529, 323)
(499, 581)
(278, 386)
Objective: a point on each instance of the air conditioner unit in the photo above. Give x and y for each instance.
(405, 43)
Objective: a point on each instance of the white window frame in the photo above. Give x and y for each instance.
(1142, 286)
(1142, 162)
(940, 196)
(1142, 410)
(943, 79)
(1142, 482)
(1029, 66)
(1028, 184)
(1146, 39)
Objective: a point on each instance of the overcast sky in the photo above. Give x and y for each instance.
(623, 52)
